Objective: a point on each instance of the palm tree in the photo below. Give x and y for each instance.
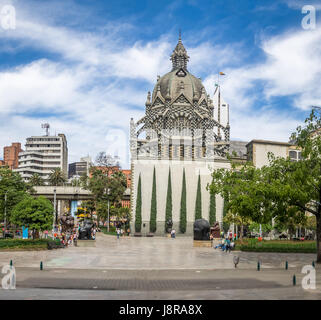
(57, 177)
(36, 180)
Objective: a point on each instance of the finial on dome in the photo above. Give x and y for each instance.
(179, 56)
(148, 99)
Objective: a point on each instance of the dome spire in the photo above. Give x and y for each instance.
(179, 56)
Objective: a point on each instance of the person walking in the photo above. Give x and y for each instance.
(46, 234)
(118, 232)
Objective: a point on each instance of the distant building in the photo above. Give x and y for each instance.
(80, 168)
(10, 155)
(127, 174)
(42, 155)
(258, 150)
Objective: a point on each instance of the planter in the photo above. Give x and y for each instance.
(137, 234)
(150, 234)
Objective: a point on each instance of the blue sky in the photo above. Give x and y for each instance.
(86, 66)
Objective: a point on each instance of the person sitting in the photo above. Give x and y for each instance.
(221, 245)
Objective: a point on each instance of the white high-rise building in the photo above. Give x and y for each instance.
(43, 154)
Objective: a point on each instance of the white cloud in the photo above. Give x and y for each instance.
(99, 82)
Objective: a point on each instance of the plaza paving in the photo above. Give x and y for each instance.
(158, 253)
(155, 268)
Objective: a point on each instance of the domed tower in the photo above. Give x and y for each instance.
(179, 109)
(177, 140)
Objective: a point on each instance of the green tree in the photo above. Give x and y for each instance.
(12, 191)
(57, 177)
(298, 184)
(34, 213)
(169, 204)
(138, 213)
(153, 209)
(238, 220)
(226, 222)
(36, 180)
(198, 202)
(245, 194)
(212, 213)
(182, 220)
(106, 186)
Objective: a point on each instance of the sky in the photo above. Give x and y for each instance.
(85, 66)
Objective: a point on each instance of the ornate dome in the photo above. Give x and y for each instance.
(179, 79)
(179, 107)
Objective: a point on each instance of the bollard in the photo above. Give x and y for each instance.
(41, 265)
(294, 280)
(313, 264)
(286, 265)
(258, 266)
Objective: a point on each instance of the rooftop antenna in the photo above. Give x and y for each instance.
(46, 126)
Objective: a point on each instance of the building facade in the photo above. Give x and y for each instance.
(43, 154)
(178, 134)
(11, 155)
(258, 151)
(80, 168)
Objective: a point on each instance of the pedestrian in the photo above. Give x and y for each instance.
(118, 232)
(46, 234)
(128, 232)
(228, 244)
(173, 233)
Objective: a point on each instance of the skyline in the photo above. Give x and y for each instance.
(85, 67)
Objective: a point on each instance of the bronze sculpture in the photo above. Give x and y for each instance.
(67, 223)
(216, 231)
(201, 230)
(169, 225)
(85, 230)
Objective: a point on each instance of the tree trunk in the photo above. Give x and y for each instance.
(318, 233)
(241, 233)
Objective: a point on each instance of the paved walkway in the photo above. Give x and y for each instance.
(158, 253)
(155, 268)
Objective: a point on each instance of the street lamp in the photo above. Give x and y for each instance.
(55, 209)
(5, 208)
(108, 223)
(5, 211)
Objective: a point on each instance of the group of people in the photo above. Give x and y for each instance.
(227, 243)
(66, 239)
(120, 232)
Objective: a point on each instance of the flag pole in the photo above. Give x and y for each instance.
(219, 105)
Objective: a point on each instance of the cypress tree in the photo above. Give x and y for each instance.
(153, 209)
(182, 220)
(212, 215)
(225, 211)
(198, 203)
(169, 206)
(138, 214)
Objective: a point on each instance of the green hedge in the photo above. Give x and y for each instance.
(278, 246)
(25, 243)
(112, 230)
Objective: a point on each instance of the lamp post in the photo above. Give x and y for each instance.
(108, 223)
(5, 211)
(55, 209)
(5, 208)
